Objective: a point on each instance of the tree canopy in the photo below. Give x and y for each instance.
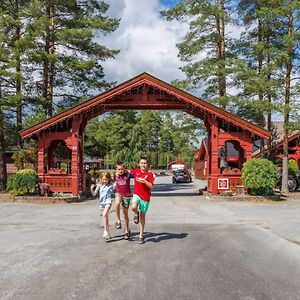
(51, 58)
(128, 135)
(254, 74)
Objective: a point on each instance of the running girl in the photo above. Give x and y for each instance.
(105, 190)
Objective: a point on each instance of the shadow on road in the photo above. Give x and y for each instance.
(161, 236)
(150, 236)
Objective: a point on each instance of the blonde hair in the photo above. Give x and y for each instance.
(107, 175)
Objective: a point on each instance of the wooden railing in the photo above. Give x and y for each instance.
(234, 180)
(59, 183)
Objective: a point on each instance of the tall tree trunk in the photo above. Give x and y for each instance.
(223, 66)
(260, 116)
(3, 172)
(220, 51)
(18, 81)
(46, 77)
(285, 168)
(269, 113)
(52, 63)
(46, 65)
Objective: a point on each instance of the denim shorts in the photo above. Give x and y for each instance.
(102, 206)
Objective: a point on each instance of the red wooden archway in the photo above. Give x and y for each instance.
(141, 92)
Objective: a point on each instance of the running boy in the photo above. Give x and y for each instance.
(105, 189)
(143, 183)
(123, 196)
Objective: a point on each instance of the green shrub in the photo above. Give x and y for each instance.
(293, 167)
(63, 165)
(24, 158)
(23, 182)
(260, 175)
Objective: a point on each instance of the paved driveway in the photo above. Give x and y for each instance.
(195, 249)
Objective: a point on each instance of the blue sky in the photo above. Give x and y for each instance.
(169, 3)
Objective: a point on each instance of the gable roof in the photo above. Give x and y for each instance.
(203, 150)
(292, 138)
(177, 99)
(279, 127)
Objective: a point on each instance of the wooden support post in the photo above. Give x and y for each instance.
(83, 125)
(248, 151)
(41, 150)
(208, 167)
(214, 160)
(75, 157)
(242, 157)
(82, 170)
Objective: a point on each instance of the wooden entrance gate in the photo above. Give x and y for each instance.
(66, 130)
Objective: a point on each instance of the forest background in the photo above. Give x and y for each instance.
(52, 54)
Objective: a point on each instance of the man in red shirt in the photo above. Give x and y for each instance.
(143, 183)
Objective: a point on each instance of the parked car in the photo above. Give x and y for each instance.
(181, 176)
(293, 182)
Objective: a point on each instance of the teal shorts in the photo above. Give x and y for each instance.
(142, 205)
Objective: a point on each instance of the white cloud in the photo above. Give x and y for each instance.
(147, 42)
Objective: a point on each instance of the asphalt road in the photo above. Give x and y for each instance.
(195, 249)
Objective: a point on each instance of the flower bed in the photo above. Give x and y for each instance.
(57, 171)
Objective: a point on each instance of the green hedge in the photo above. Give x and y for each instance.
(293, 167)
(260, 175)
(23, 182)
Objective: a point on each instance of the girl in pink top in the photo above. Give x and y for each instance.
(123, 196)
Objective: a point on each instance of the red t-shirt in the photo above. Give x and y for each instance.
(141, 189)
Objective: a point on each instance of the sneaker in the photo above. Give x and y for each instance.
(136, 218)
(141, 240)
(127, 235)
(107, 236)
(118, 225)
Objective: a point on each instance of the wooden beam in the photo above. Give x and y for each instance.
(142, 85)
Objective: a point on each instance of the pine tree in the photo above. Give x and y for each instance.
(290, 13)
(128, 135)
(68, 55)
(206, 37)
(257, 76)
(166, 142)
(15, 41)
(3, 171)
(50, 51)
(14, 44)
(186, 136)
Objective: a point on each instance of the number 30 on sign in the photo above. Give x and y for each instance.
(223, 184)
